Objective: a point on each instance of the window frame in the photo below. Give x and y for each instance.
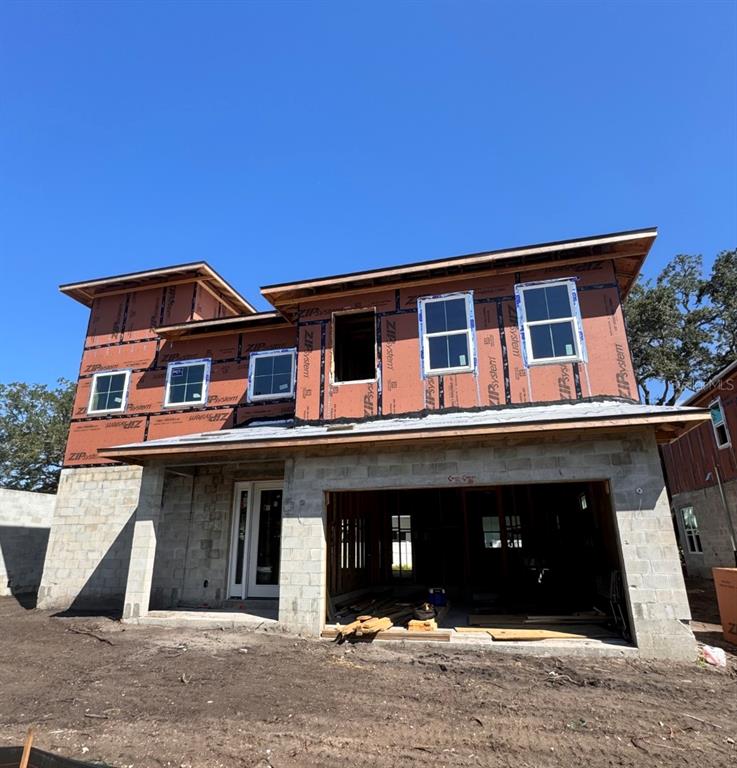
(425, 337)
(253, 357)
(205, 382)
(124, 401)
(690, 533)
(728, 444)
(341, 313)
(524, 325)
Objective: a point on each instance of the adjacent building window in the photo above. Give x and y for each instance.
(492, 530)
(447, 328)
(354, 347)
(550, 322)
(719, 423)
(271, 375)
(691, 529)
(186, 383)
(109, 392)
(402, 546)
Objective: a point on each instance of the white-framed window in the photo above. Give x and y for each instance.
(691, 529)
(719, 424)
(550, 322)
(271, 374)
(187, 382)
(448, 339)
(109, 392)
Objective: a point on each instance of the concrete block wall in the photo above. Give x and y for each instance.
(714, 528)
(25, 520)
(194, 533)
(629, 461)
(90, 542)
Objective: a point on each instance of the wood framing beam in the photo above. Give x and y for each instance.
(215, 295)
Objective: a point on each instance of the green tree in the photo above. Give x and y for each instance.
(670, 328)
(34, 420)
(721, 291)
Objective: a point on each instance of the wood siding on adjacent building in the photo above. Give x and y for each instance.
(690, 460)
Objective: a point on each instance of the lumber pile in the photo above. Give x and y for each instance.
(429, 625)
(382, 604)
(364, 626)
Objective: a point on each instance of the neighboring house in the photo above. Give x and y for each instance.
(470, 423)
(701, 468)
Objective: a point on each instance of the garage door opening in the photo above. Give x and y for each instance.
(507, 558)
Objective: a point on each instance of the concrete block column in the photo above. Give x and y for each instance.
(143, 547)
(302, 579)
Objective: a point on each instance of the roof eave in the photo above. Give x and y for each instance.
(86, 291)
(712, 383)
(202, 328)
(284, 294)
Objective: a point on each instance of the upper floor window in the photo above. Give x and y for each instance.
(691, 529)
(550, 322)
(447, 328)
(271, 374)
(354, 346)
(186, 383)
(109, 392)
(719, 423)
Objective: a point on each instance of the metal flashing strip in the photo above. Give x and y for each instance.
(483, 422)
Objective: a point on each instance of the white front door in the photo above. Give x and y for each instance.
(256, 540)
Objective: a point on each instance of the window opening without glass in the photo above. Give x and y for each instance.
(354, 347)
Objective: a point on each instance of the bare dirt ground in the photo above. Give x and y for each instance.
(160, 697)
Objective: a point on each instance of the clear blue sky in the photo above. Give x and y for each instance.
(281, 140)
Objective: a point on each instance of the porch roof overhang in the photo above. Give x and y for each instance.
(668, 422)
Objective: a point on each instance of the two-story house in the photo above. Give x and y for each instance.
(470, 424)
(701, 469)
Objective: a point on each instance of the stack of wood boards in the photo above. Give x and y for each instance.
(382, 604)
(429, 625)
(363, 626)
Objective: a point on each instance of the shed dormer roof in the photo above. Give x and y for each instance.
(626, 249)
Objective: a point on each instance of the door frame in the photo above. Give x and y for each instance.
(248, 586)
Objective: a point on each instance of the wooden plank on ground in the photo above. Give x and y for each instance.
(495, 620)
(441, 636)
(502, 633)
